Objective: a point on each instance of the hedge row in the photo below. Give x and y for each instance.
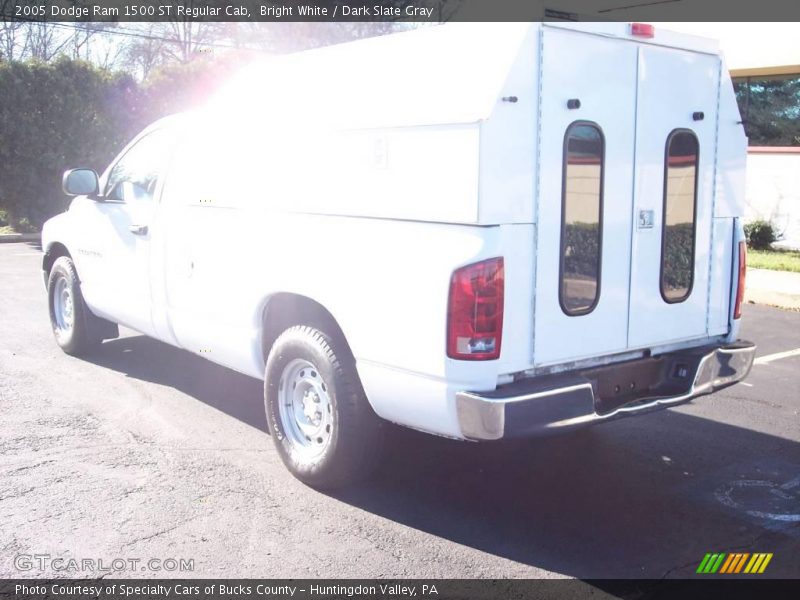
(55, 116)
(581, 243)
(678, 262)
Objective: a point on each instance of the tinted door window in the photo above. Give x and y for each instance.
(140, 167)
(582, 221)
(680, 206)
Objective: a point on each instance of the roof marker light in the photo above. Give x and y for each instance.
(644, 30)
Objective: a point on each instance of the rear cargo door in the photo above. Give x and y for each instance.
(585, 207)
(675, 154)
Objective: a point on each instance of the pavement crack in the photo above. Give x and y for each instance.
(160, 532)
(677, 568)
(17, 495)
(28, 467)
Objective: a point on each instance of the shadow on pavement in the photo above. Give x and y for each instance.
(146, 359)
(645, 497)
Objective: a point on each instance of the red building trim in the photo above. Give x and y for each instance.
(773, 150)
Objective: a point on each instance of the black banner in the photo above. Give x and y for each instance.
(369, 589)
(432, 11)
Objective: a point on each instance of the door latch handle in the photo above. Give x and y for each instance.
(138, 229)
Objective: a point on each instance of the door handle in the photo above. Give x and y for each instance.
(138, 229)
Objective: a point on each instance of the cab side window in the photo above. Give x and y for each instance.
(137, 173)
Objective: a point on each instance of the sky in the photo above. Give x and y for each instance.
(750, 45)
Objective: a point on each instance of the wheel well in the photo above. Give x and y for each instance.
(285, 310)
(54, 252)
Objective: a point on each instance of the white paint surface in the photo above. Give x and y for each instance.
(765, 360)
(773, 193)
(749, 45)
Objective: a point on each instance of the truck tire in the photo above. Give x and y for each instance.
(73, 325)
(320, 419)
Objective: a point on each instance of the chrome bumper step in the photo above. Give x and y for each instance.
(554, 402)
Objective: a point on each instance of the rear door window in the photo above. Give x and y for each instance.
(680, 209)
(581, 218)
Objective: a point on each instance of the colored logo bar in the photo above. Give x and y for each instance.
(734, 563)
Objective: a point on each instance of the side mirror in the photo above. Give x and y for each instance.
(80, 182)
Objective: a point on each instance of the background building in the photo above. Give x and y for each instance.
(764, 61)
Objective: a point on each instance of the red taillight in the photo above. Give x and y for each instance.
(475, 311)
(643, 30)
(737, 308)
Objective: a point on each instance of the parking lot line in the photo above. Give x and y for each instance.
(763, 360)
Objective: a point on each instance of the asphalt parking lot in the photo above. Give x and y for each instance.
(149, 452)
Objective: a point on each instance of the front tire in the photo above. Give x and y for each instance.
(321, 423)
(69, 317)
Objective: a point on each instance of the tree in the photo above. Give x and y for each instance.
(141, 55)
(770, 108)
(185, 37)
(58, 113)
(42, 41)
(9, 31)
(84, 33)
(53, 117)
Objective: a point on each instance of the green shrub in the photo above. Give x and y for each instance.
(581, 244)
(581, 258)
(678, 259)
(67, 114)
(54, 117)
(760, 234)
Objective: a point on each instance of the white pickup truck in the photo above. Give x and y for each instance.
(476, 230)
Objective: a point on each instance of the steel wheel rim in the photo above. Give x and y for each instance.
(63, 306)
(305, 408)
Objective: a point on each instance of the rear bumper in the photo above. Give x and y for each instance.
(557, 402)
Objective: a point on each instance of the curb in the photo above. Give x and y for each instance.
(774, 299)
(7, 238)
(773, 288)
